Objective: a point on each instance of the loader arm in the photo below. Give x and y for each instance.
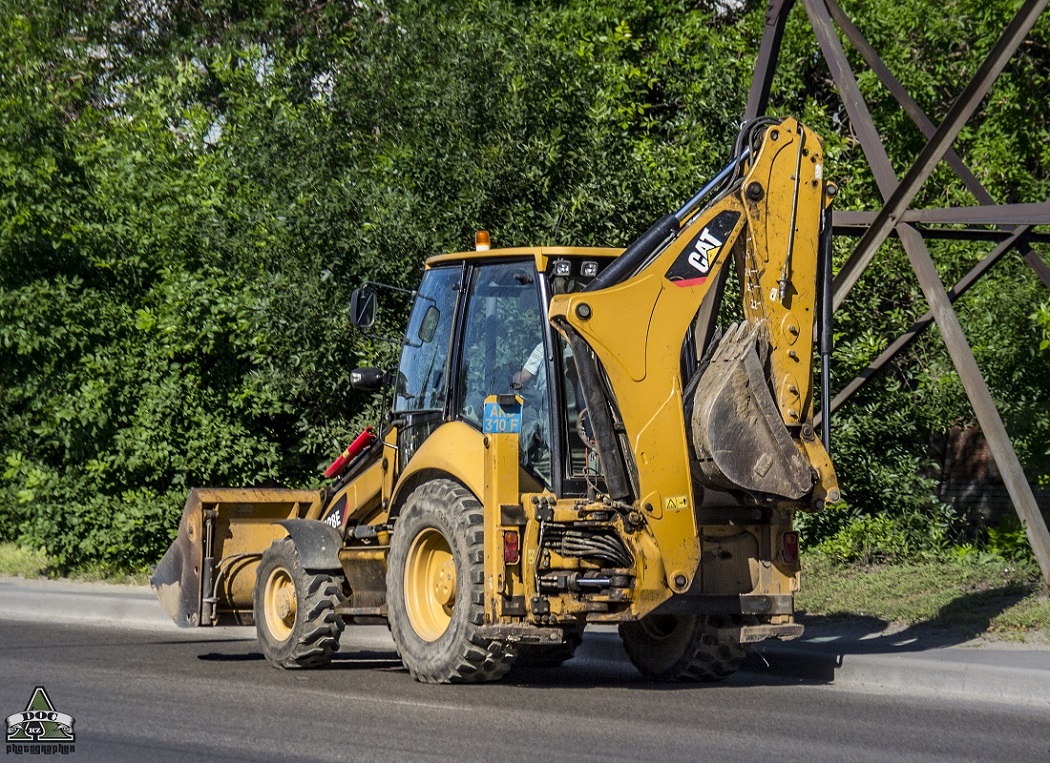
(749, 424)
(208, 575)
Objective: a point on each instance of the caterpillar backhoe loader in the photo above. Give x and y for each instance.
(571, 440)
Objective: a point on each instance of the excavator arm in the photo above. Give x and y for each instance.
(743, 419)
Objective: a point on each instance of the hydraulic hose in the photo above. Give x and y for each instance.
(640, 251)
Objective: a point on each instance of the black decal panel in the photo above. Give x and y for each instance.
(699, 256)
(336, 516)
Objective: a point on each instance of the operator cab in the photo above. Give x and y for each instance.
(479, 327)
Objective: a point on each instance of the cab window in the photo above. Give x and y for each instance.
(421, 379)
(580, 454)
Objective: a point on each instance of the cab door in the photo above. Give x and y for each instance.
(504, 350)
(422, 384)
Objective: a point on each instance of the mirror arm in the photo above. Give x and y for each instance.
(380, 284)
(389, 339)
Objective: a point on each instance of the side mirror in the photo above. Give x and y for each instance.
(363, 307)
(367, 379)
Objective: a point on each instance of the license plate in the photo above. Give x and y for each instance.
(502, 419)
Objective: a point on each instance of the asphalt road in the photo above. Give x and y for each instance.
(149, 695)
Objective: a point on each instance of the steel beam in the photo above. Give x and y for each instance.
(860, 117)
(851, 227)
(1039, 267)
(913, 110)
(1010, 468)
(768, 55)
(1001, 215)
(900, 196)
(905, 340)
(958, 115)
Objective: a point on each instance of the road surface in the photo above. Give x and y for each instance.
(168, 695)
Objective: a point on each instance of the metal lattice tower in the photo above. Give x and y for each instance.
(1014, 224)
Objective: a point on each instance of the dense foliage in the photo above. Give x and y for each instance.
(189, 190)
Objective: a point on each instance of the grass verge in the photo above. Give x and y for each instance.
(16, 561)
(987, 597)
(21, 562)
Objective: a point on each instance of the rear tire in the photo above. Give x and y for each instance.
(295, 611)
(680, 648)
(436, 585)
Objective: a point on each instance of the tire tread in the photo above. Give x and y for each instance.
(315, 635)
(696, 657)
(471, 658)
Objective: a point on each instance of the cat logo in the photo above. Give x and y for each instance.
(699, 257)
(704, 243)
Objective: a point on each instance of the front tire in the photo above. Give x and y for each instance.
(680, 648)
(295, 611)
(436, 585)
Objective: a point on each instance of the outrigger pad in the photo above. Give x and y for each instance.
(738, 433)
(176, 580)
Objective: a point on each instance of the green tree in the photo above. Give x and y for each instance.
(189, 190)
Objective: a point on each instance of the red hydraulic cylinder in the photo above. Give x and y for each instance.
(353, 450)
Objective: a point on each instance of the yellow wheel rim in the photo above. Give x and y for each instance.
(280, 608)
(430, 584)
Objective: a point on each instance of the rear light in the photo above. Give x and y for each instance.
(790, 547)
(511, 547)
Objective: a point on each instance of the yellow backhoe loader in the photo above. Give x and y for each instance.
(571, 440)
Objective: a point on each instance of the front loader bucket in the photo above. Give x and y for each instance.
(739, 436)
(176, 580)
(208, 574)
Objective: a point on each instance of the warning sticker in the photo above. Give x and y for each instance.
(677, 503)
